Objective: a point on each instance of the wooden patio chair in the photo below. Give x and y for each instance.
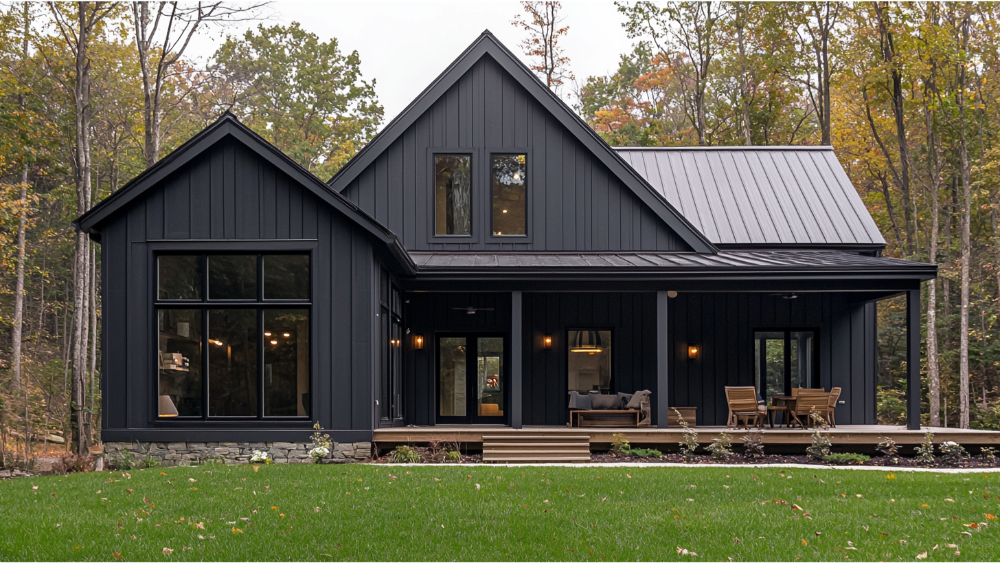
(808, 401)
(832, 406)
(743, 405)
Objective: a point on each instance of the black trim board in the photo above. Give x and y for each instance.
(229, 435)
(485, 45)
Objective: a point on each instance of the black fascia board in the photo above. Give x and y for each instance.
(229, 126)
(487, 44)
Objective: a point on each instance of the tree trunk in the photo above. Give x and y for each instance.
(933, 367)
(963, 158)
(21, 228)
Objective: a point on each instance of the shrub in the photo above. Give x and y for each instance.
(753, 443)
(889, 449)
(847, 459)
(642, 452)
(690, 443)
(925, 451)
(405, 454)
(453, 456)
(953, 452)
(820, 447)
(619, 445)
(260, 457)
(721, 447)
(323, 445)
(988, 454)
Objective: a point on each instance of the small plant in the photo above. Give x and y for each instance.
(953, 452)
(619, 444)
(925, 451)
(820, 447)
(988, 454)
(753, 444)
(405, 454)
(121, 461)
(847, 459)
(323, 443)
(889, 449)
(453, 456)
(721, 447)
(259, 456)
(643, 452)
(690, 443)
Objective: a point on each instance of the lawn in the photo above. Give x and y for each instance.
(367, 512)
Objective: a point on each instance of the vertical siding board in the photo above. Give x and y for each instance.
(493, 83)
(138, 321)
(229, 201)
(478, 104)
(424, 191)
(177, 205)
(451, 117)
(409, 187)
(538, 179)
(201, 204)
(217, 199)
(394, 197)
(310, 210)
(115, 317)
(569, 195)
(269, 209)
(508, 116)
(382, 203)
(154, 210)
(287, 210)
(553, 185)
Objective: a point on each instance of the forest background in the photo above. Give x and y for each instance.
(908, 95)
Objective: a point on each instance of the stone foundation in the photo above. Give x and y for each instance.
(191, 453)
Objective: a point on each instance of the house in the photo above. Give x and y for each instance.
(483, 256)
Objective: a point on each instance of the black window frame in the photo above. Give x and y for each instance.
(528, 161)
(611, 361)
(391, 352)
(475, 214)
(817, 378)
(204, 304)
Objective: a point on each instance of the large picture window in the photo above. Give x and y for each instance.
(233, 335)
(589, 360)
(453, 194)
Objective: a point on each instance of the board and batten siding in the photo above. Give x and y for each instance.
(574, 202)
(230, 196)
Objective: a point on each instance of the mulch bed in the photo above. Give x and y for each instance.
(877, 461)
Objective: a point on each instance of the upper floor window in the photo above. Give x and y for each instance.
(453, 194)
(233, 335)
(509, 194)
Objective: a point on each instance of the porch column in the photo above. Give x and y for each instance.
(913, 359)
(516, 340)
(662, 358)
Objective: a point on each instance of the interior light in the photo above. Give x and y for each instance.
(587, 341)
(516, 177)
(504, 211)
(286, 335)
(267, 334)
(274, 342)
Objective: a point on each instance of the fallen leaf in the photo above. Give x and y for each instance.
(922, 555)
(237, 531)
(796, 507)
(804, 542)
(167, 550)
(192, 479)
(118, 555)
(34, 487)
(949, 500)
(818, 533)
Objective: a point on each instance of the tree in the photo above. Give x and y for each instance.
(542, 45)
(157, 56)
(816, 37)
(301, 94)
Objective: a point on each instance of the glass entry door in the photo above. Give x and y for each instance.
(471, 379)
(784, 360)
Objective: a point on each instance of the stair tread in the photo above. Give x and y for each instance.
(539, 444)
(538, 459)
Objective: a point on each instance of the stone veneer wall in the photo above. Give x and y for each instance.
(189, 453)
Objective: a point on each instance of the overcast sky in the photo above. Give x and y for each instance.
(404, 44)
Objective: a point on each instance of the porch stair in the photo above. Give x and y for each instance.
(515, 446)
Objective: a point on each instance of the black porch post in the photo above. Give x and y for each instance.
(913, 359)
(662, 358)
(516, 340)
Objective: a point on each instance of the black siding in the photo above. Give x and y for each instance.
(575, 203)
(226, 197)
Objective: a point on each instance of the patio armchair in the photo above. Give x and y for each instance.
(743, 406)
(808, 401)
(832, 406)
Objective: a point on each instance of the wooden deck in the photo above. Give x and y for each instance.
(867, 435)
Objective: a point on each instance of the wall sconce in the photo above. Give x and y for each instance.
(418, 342)
(546, 342)
(166, 406)
(693, 352)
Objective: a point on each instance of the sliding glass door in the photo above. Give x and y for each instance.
(471, 379)
(784, 360)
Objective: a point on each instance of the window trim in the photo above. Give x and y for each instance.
(204, 249)
(475, 214)
(527, 237)
(566, 346)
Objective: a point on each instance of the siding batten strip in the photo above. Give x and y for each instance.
(662, 358)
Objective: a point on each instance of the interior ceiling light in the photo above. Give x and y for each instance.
(587, 341)
(274, 342)
(287, 334)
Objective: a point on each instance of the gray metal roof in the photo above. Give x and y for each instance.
(798, 261)
(759, 195)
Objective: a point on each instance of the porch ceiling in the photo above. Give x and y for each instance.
(750, 263)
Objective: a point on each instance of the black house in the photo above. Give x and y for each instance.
(483, 256)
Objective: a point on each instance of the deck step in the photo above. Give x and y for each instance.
(517, 446)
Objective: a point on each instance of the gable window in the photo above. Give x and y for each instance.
(233, 335)
(453, 194)
(589, 360)
(509, 194)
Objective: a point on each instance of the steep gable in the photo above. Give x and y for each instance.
(581, 195)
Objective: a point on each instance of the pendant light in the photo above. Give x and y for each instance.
(587, 341)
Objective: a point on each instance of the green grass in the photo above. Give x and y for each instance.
(310, 512)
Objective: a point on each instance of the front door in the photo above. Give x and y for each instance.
(471, 379)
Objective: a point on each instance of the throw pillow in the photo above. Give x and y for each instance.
(636, 402)
(605, 402)
(624, 398)
(579, 402)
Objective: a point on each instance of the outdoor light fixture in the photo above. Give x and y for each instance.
(546, 342)
(671, 294)
(693, 352)
(167, 407)
(587, 341)
(418, 342)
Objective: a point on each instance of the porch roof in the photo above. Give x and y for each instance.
(763, 263)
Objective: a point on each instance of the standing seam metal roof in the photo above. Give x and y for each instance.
(759, 195)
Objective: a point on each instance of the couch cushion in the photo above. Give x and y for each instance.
(605, 402)
(636, 401)
(579, 401)
(624, 398)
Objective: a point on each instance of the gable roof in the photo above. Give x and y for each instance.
(488, 45)
(228, 126)
(764, 196)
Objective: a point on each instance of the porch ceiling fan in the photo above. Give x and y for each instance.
(470, 310)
